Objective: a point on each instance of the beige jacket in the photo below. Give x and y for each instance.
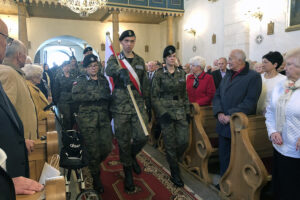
(39, 101)
(14, 84)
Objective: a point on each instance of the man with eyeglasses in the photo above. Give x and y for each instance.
(12, 180)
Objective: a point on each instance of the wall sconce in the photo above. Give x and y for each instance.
(256, 14)
(270, 30)
(190, 30)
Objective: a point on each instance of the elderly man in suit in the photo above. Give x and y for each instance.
(219, 74)
(238, 92)
(12, 141)
(14, 85)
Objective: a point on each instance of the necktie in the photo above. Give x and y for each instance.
(196, 82)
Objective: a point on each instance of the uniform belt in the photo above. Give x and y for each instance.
(170, 97)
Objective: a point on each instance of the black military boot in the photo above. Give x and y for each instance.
(97, 183)
(175, 176)
(135, 166)
(128, 182)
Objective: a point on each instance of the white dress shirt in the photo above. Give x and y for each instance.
(291, 128)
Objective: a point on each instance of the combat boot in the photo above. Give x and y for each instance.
(175, 176)
(97, 183)
(128, 182)
(135, 166)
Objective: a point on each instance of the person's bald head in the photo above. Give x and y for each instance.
(237, 59)
(3, 30)
(16, 53)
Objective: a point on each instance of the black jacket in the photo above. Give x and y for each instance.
(218, 77)
(7, 189)
(238, 95)
(12, 138)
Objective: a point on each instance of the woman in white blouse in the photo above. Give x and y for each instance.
(283, 124)
(270, 63)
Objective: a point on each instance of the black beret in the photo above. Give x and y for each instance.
(274, 57)
(128, 33)
(89, 59)
(87, 49)
(65, 63)
(169, 50)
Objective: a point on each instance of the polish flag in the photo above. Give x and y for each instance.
(108, 52)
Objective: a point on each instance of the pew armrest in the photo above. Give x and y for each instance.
(54, 190)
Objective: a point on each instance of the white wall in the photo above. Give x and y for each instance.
(281, 41)
(41, 29)
(227, 19)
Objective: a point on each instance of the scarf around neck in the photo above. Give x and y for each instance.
(290, 87)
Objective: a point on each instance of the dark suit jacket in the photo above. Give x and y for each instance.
(218, 77)
(12, 138)
(7, 189)
(239, 95)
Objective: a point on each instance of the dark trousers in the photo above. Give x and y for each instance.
(224, 153)
(286, 177)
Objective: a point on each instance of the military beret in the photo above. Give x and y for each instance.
(65, 63)
(87, 49)
(274, 57)
(128, 33)
(89, 59)
(169, 50)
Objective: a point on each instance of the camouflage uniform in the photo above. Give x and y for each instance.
(62, 97)
(169, 96)
(93, 118)
(126, 122)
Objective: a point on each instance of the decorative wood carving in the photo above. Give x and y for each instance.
(246, 174)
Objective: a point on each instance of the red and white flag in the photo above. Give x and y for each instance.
(108, 52)
(124, 64)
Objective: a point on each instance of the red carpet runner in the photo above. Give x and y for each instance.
(152, 183)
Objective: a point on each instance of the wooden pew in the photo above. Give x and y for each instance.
(46, 125)
(54, 190)
(43, 151)
(247, 174)
(203, 142)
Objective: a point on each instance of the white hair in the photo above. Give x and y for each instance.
(15, 47)
(198, 61)
(33, 71)
(28, 60)
(295, 53)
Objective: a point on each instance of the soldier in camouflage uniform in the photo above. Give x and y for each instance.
(92, 93)
(171, 105)
(128, 129)
(62, 95)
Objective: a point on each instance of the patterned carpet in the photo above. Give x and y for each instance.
(153, 183)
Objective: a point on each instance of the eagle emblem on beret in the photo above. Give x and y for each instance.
(92, 59)
(170, 51)
(129, 33)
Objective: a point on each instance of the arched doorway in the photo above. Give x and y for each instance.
(55, 51)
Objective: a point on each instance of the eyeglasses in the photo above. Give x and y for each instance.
(9, 40)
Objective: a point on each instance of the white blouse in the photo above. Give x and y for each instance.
(291, 128)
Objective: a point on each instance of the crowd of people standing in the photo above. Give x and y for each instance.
(167, 89)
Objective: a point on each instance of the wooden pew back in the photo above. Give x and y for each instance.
(202, 132)
(46, 125)
(246, 174)
(43, 151)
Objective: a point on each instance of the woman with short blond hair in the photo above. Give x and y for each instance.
(283, 124)
(33, 75)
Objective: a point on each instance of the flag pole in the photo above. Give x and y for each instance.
(131, 94)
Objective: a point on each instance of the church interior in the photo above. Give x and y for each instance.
(54, 30)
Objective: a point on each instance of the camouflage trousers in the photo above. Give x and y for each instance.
(94, 125)
(175, 137)
(130, 136)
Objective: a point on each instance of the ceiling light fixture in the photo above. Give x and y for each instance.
(83, 7)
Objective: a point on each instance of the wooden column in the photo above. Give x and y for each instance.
(22, 13)
(170, 30)
(115, 21)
